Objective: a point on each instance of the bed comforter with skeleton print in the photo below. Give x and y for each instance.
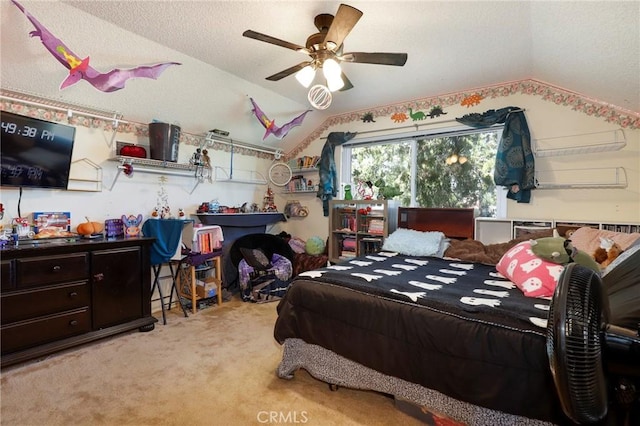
(456, 327)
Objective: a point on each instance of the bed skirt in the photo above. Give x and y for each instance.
(334, 369)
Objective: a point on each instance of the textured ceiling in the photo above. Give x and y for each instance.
(592, 48)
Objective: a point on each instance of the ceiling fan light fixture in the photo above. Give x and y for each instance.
(331, 69)
(306, 75)
(335, 83)
(332, 72)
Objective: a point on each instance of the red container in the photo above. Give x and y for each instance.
(133, 151)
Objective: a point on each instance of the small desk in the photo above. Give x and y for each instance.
(187, 282)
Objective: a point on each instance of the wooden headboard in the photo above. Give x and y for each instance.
(454, 223)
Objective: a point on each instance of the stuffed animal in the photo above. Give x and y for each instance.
(131, 225)
(560, 250)
(608, 251)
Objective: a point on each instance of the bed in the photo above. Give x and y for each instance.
(450, 335)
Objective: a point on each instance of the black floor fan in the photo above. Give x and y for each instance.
(595, 365)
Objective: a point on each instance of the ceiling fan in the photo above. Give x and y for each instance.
(325, 49)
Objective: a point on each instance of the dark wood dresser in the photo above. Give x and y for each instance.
(59, 294)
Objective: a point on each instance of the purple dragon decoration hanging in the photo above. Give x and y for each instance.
(79, 69)
(270, 125)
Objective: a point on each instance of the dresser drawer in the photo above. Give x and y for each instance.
(34, 303)
(26, 334)
(36, 271)
(6, 275)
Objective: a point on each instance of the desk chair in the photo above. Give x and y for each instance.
(168, 235)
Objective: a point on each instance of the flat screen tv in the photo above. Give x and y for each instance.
(35, 153)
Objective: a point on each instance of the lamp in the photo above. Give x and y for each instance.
(332, 73)
(306, 75)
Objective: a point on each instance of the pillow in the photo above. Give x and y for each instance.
(622, 258)
(536, 277)
(588, 239)
(622, 285)
(416, 243)
(256, 258)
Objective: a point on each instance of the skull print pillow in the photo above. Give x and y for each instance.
(533, 275)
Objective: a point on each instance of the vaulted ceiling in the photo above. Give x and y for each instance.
(592, 48)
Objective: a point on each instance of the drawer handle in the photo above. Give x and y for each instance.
(73, 323)
(57, 268)
(73, 294)
(98, 277)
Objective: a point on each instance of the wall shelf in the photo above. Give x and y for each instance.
(85, 175)
(306, 191)
(222, 174)
(147, 165)
(605, 177)
(588, 143)
(305, 170)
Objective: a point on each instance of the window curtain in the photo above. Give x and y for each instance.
(514, 159)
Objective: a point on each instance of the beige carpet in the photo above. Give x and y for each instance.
(216, 367)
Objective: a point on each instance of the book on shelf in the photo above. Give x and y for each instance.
(305, 162)
(347, 254)
(370, 245)
(376, 226)
(206, 243)
(349, 222)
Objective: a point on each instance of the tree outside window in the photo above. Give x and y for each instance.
(451, 170)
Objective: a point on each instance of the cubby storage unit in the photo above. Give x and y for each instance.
(491, 230)
(358, 227)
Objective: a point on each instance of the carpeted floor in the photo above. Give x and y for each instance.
(216, 367)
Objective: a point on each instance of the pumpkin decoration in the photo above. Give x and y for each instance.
(90, 228)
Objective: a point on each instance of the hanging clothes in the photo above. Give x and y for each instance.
(515, 164)
(328, 187)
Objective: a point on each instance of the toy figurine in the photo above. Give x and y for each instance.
(347, 192)
(196, 158)
(131, 225)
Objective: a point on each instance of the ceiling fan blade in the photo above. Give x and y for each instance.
(398, 59)
(285, 73)
(347, 83)
(344, 21)
(273, 40)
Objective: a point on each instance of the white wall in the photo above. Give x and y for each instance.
(546, 119)
(137, 194)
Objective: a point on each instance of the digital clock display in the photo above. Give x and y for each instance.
(13, 128)
(34, 152)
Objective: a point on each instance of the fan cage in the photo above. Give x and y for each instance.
(574, 344)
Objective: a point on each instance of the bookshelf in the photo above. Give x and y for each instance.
(359, 227)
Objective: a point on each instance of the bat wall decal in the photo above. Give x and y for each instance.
(79, 69)
(270, 125)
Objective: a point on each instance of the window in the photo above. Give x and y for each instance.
(453, 169)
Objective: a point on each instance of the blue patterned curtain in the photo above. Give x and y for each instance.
(514, 160)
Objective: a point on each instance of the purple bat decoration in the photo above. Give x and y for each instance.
(272, 129)
(79, 69)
